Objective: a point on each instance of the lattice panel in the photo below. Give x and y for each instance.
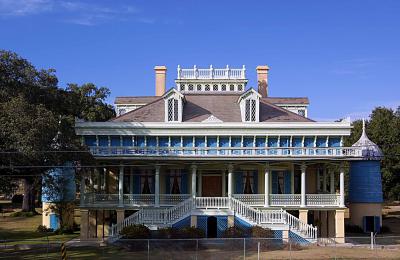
(202, 223)
(294, 238)
(182, 223)
(222, 225)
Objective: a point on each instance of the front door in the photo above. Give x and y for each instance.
(211, 186)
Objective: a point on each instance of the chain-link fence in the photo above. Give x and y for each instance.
(360, 247)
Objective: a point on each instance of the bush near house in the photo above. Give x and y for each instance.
(44, 229)
(260, 232)
(135, 232)
(350, 228)
(234, 232)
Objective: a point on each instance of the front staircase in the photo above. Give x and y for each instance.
(166, 217)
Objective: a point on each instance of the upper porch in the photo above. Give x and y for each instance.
(135, 185)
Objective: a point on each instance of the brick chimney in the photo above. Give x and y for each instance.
(262, 80)
(161, 72)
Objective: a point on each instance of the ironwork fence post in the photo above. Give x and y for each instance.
(244, 248)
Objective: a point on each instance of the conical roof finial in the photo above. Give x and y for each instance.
(369, 150)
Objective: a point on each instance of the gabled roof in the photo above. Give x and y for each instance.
(199, 107)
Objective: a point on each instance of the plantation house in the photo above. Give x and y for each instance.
(211, 153)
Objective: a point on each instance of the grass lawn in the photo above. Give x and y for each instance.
(24, 228)
(112, 252)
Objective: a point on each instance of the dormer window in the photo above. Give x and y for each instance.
(250, 110)
(172, 109)
(173, 106)
(250, 106)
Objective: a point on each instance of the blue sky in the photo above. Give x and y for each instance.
(343, 55)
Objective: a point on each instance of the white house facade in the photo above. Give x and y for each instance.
(211, 153)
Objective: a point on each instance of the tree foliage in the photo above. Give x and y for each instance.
(383, 128)
(37, 120)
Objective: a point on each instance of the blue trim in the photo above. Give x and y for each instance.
(140, 141)
(103, 140)
(90, 140)
(273, 142)
(334, 142)
(294, 238)
(284, 142)
(115, 140)
(297, 141)
(175, 141)
(187, 141)
(151, 141)
(127, 141)
(202, 223)
(321, 141)
(309, 142)
(163, 141)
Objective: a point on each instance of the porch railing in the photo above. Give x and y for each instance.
(251, 199)
(314, 152)
(254, 200)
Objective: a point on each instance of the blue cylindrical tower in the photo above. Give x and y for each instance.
(365, 186)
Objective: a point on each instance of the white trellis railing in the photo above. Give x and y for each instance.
(211, 73)
(251, 199)
(284, 200)
(262, 152)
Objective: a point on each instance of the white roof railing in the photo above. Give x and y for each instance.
(211, 73)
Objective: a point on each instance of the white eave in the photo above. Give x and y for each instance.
(229, 128)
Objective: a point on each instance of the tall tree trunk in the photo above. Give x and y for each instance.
(28, 204)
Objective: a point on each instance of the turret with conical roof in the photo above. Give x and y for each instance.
(369, 150)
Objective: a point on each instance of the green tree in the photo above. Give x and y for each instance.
(37, 121)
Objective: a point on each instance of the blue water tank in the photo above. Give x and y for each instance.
(365, 183)
(58, 184)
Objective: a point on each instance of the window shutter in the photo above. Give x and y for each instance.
(239, 182)
(288, 182)
(184, 182)
(274, 182)
(136, 184)
(167, 184)
(255, 188)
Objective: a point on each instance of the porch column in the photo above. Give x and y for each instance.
(194, 170)
(332, 180)
(223, 183)
(82, 188)
(230, 181)
(266, 185)
(341, 180)
(303, 185)
(157, 187)
(121, 186)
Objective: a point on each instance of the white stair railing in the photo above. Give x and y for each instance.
(169, 216)
(155, 216)
(306, 230)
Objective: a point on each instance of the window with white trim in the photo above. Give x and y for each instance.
(250, 110)
(173, 110)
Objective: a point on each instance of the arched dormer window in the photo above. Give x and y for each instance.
(173, 106)
(250, 106)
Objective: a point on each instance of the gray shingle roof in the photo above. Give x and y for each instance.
(199, 107)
